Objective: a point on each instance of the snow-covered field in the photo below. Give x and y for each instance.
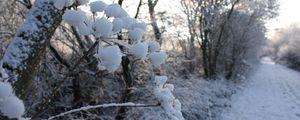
(273, 93)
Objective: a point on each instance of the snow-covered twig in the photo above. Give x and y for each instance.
(129, 104)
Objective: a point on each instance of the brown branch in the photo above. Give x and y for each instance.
(58, 56)
(138, 9)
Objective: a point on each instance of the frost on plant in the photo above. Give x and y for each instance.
(170, 104)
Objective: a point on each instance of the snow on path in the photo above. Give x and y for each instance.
(273, 93)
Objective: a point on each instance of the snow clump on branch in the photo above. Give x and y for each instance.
(163, 92)
(10, 105)
(109, 58)
(139, 50)
(98, 6)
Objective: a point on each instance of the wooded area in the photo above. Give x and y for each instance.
(98, 61)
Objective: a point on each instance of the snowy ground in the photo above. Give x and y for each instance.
(273, 93)
(203, 99)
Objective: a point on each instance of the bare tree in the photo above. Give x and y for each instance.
(156, 30)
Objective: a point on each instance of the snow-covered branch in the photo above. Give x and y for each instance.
(24, 52)
(129, 104)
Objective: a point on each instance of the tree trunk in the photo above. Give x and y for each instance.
(23, 55)
(157, 33)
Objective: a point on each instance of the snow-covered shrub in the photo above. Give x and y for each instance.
(136, 34)
(5, 89)
(105, 27)
(60, 4)
(82, 2)
(10, 105)
(74, 17)
(98, 6)
(128, 21)
(118, 24)
(140, 25)
(109, 58)
(170, 104)
(158, 58)
(139, 50)
(154, 46)
(113, 10)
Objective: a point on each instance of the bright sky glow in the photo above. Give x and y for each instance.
(288, 14)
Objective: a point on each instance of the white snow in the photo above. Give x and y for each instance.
(12, 107)
(128, 21)
(122, 13)
(83, 29)
(118, 24)
(60, 4)
(3, 73)
(136, 34)
(158, 58)
(98, 6)
(110, 58)
(82, 2)
(113, 10)
(272, 94)
(153, 46)
(5, 90)
(169, 103)
(103, 27)
(69, 2)
(142, 25)
(139, 50)
(74, 17)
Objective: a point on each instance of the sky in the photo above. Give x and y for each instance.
(288, 14)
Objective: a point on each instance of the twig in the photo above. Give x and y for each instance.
(129, 104)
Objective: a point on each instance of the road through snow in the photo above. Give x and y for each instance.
(273, 93)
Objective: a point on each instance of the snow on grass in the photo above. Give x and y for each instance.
(202, 99)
